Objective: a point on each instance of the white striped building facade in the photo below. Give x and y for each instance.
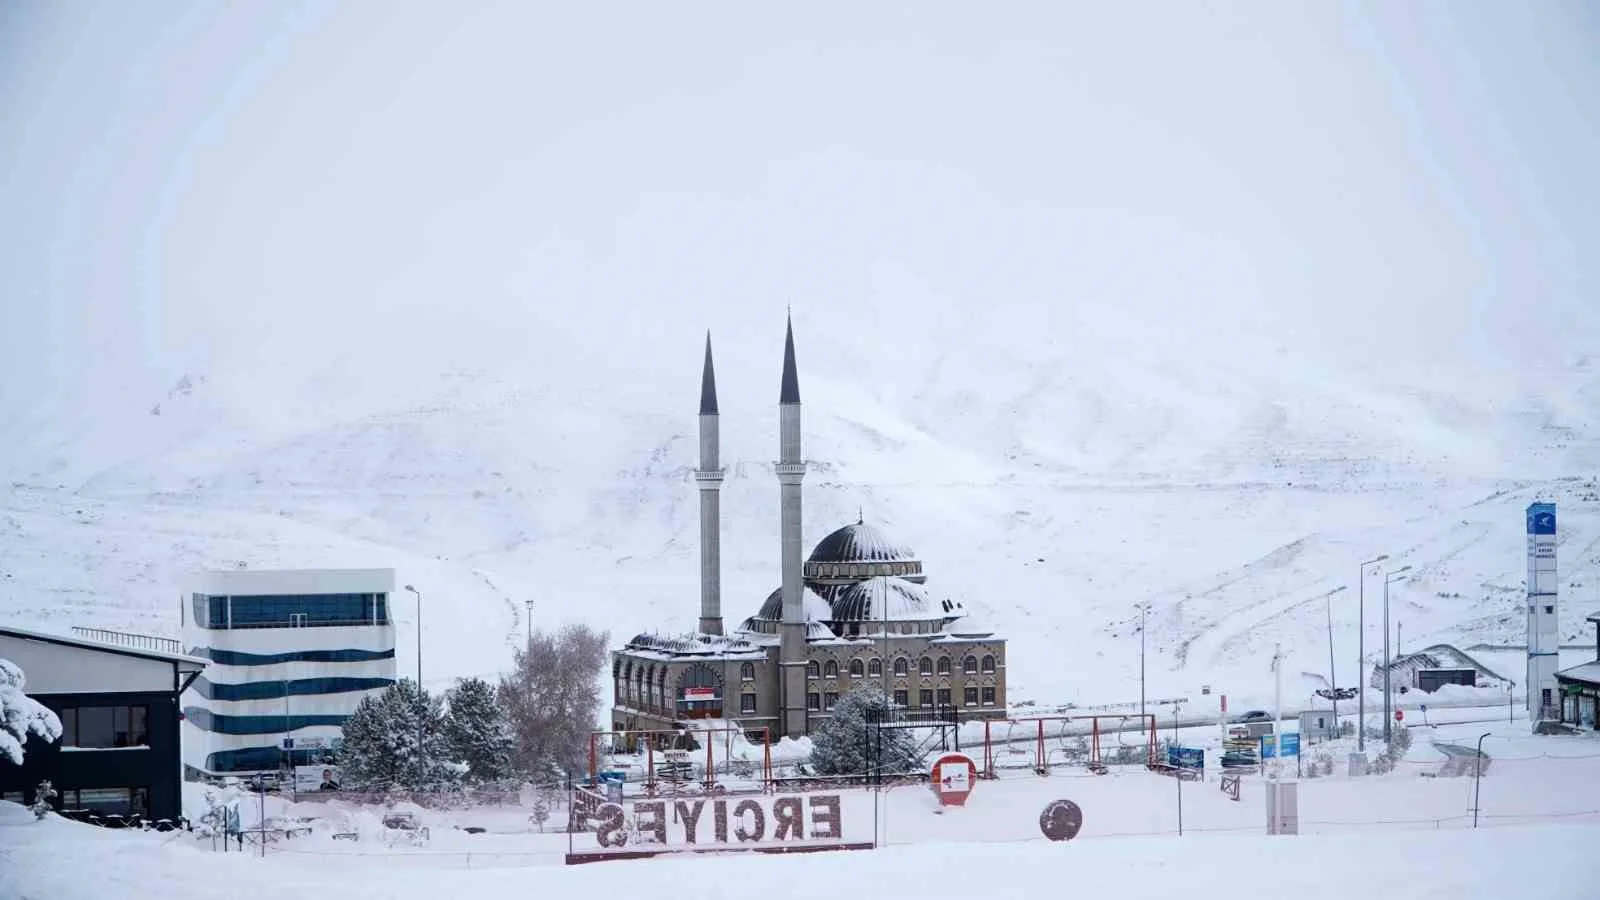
(291, 655)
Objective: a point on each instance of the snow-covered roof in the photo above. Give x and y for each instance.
(1594, 617)
(812, 607)
(679, 645)
(186, 662)
(1587, 672)
(860, 543)
(886, 598)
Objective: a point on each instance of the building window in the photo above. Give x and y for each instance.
(813, 670)
(925, 697)
(831, 670)
(969, 696)
(944, 665)
(857, 668)
(988, 696)
(291, 610)
(944, 696)
(901, 668)
(108, 801)
(747, 704)
(747, 672)
(1549, 610)
(829, 699)
(875, 667)
(814, 701)
(925, 666)
(105, 726)
(902, 698)
(970, 665)
(988, 665)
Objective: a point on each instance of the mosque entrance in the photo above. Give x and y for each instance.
(700, 693)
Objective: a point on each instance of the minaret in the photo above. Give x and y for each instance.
(791, 469)
(1544, 637)
(709, 479)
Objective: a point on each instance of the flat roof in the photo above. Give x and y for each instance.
(71, 641)
(236, 582)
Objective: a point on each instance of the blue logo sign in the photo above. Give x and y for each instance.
(1186, 757)
(1542, 518)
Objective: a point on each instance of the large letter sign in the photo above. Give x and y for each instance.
(781, 824)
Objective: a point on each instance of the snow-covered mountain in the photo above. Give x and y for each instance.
(1088, 313)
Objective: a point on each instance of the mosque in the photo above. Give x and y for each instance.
(856, 611)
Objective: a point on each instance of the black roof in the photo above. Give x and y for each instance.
(790, 392)
(708, 384)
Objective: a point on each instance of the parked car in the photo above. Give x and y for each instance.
(1255, 715)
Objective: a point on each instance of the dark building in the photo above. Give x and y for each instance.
(118, 703)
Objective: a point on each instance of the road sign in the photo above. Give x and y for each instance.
(952, 778)
(288, 743)
(1186, 758)
(1291, 745)
(1061, 820)
(1400, 716)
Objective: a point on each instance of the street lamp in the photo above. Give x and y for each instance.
(1391, 578)
(1361, 655)
(1143, 609)
(529, 604)
(1333, 682)
(1477, 777)
(422, 707)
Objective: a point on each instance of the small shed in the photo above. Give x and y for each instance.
(1317, 725)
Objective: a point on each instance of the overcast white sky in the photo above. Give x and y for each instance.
(194, 186)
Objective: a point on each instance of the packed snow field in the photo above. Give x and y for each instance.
(1411, 833)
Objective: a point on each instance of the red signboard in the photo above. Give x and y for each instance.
(952, 778)
(699, 693)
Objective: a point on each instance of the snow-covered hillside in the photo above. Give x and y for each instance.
(332, 288)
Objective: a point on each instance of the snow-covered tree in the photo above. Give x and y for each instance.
(552, 697)
(21, 715)
(380, 742)
(477, 731)
(840, 745)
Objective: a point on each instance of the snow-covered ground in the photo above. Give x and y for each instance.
(1410, 834)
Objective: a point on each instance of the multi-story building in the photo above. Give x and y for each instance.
(291, 655)
(856, 612)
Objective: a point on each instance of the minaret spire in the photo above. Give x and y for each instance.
(709, 479)
(791, 469)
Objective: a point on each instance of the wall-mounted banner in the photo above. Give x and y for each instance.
(760, 823)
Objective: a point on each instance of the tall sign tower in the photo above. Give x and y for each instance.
(1543, 605)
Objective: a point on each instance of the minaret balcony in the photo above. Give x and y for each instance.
(795, 470)
(709, 476)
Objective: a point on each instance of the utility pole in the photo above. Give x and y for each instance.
(1277, 711)
(1361, 656)
(1388, 726)
(422, 706)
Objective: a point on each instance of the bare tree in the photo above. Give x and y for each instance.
(552, 697)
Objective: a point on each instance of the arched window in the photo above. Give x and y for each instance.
(699, 693)
(650, 685)
(970, 665)
(900, 666)
(813, 670)
(944, 665)
(925, 666)
(875, 667)
(857, 668)
(830, 670)
(988, 665)
(747, 672)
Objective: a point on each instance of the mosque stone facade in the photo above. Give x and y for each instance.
(856, 611)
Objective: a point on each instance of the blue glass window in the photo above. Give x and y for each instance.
(291, 610)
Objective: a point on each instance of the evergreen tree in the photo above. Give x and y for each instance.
(552, 697)
(477, 731)
(21, 715)
(380, 742)
(839, 746)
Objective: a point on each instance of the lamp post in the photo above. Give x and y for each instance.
(1361, 655)
(1333, 682)
(422, 708)
(1391, 578)
(529, 605)
(1477, 777)
(1143, 609)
